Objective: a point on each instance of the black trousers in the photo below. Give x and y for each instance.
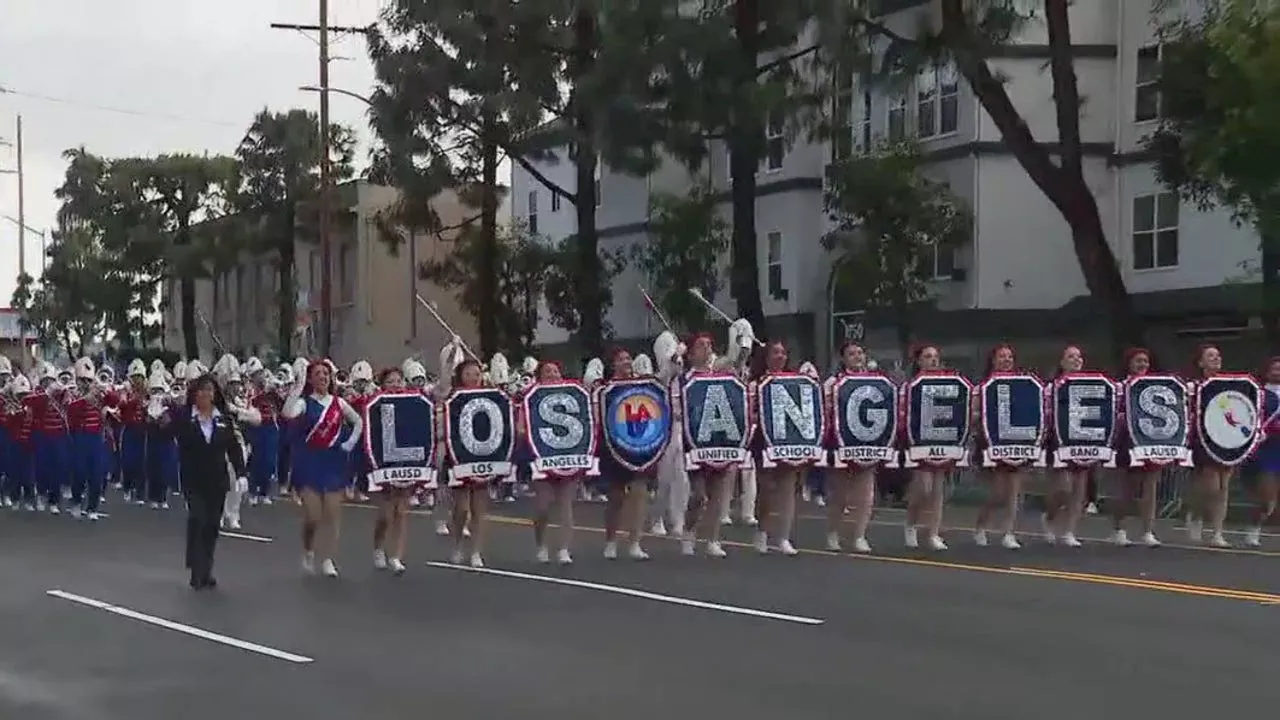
(204, 512)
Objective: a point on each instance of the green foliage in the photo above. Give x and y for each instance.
(523, 263)
(888, 219)
(687, 238)
(1219, 83)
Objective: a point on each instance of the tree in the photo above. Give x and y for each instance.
(1216, 141)
(971, 33)
(277, 181)
(888, 219)
(525, 78)
(102, 199)
(522, 261)
(68, 307)
(687, 238)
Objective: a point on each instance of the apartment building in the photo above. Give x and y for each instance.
(375, 316)
(1018, 278)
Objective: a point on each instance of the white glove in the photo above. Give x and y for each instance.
(350, 444)
(242, 485)
(681, 349)
(745, 341)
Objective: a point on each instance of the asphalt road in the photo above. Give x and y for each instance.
(971, 633)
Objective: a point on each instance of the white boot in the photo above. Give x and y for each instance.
(747, 503)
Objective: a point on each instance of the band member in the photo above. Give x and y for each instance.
(52, 439)
(554, 495)
(927, 488)
(707, 487)
(1005, 481)
(1138, 485)
(133, 434)
(391, 529)
(1208, 497)
(776, 501)
(672, 498)
(1064, 504)
(320, 468)
(360, 391)
(264, 440)
(853, 487)
(20, 424)
(88, 437)
(244, 419)
(161, 452)
(207, 444)
(471, 499)
(1267, 459)
(284, 451)
(627, 492)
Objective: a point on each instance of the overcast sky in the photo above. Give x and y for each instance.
(190, 74)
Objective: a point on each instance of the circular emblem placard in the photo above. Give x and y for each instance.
(1230, 420)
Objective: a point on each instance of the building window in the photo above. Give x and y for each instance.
(773, 267)
(864, 123)
(555, 202)
(774, 144)
(347, 270)
(942, 261)
(1155, 231)
(842, 115)
(897, 125)
(1146, 89)
(533, 212)
(937, 100)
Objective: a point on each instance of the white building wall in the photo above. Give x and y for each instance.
(1022, 254)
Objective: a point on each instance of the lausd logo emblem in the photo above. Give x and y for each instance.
(717, 421)
(1227, 408)
(479, 426)
(560, 427)
(400, 440)
(637, 422)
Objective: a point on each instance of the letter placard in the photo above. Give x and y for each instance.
(636, 422)
(1156, 420)
(938, 407)
(717, 421)
(1084, 420)
(1013, 420)
(864, 410)
(1228, 412)
(560, 427)
(792, 420)
(400, 440)
(479, 425)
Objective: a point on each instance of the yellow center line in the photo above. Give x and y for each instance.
(1043, 573)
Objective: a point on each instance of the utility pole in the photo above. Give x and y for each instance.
(326, 172)
(22, 235)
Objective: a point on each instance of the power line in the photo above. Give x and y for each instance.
(116, 110)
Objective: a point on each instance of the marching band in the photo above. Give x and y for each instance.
(675, 442)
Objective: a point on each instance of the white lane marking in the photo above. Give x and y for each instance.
(179, 627)
(632, 592)
(245, 536)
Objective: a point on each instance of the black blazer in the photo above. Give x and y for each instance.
(203, 463)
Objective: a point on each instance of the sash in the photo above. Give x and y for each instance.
(327, 430)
